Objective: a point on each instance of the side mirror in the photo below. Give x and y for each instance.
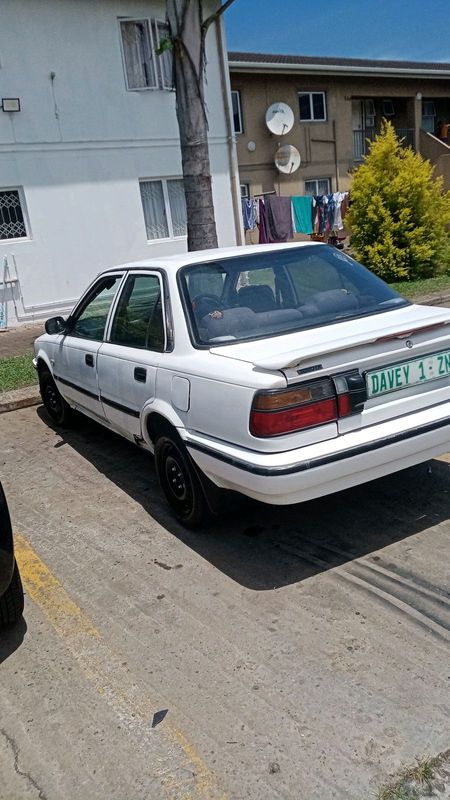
(55, 325)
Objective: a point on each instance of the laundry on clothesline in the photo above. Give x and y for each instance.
(278, 218)
(249, 213)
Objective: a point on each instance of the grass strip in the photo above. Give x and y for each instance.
(423, 286)
(16, 372)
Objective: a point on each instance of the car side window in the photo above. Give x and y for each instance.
(138, 321)
(90, 321)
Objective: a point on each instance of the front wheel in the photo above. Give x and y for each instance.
(180, 483)
(11, 603)
(60, 411)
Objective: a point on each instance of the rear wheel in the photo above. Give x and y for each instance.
(60, 411)
(180, 483)
(11, 603)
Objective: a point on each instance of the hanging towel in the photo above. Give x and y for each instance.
(262, 223)
(279, 218)
(249, 213)
(302, 214)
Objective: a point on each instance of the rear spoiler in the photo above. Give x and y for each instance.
(292, 358)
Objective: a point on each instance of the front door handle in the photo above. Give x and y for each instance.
(89, 359)
(140, 374)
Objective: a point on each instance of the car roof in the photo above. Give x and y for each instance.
(174, 262)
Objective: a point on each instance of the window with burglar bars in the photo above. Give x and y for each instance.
(144, 69)
(164, 207)
(12, 222)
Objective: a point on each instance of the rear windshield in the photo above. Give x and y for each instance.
(254, 296)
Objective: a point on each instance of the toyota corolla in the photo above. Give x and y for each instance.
(282, 372)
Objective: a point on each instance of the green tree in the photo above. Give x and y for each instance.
(399, 214)
(188, 25)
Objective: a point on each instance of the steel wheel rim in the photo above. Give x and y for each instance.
(52, 399)
(177, 480)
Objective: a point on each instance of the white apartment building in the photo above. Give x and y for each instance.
(90, 166)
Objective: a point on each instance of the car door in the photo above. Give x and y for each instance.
(75, 357)
(128, 360)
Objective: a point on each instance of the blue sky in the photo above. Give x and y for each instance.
(417, 30)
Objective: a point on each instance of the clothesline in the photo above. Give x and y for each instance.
(278, 217)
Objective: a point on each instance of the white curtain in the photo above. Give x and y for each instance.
(154, 210)
(177, 202)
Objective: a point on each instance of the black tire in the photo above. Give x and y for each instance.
(179, 482)
(11, 603)
(59, 411)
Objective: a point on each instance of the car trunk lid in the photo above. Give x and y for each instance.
(377, 345)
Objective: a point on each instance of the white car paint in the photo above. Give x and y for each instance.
(207, 393)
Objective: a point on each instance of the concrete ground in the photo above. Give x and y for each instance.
(295, 653)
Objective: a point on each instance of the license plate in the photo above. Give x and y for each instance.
(408, 373)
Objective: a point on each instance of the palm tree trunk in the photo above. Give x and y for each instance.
(188, 47)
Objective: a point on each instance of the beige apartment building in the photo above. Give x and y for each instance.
(337, 105)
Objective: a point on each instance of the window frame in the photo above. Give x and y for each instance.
(311, 107)
(246, 194)
(130, 274)
(148, 22)
(237, 92)
(310, 180)
(24, 210)
(168, 210)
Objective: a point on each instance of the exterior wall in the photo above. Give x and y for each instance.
(259, 90)
(81, 142)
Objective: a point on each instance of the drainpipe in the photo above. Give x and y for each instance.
(231, 140)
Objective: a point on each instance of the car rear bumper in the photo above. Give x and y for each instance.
(326, 467)
(6, 545)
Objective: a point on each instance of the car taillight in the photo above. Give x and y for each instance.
(275, 412)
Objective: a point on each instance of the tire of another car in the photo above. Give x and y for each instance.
(180, 483)
(11, 602)
(59, 411)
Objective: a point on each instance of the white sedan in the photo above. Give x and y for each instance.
(282, 372)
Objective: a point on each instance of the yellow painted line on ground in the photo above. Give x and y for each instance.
(181, 770)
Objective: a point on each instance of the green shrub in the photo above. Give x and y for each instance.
(399, 213)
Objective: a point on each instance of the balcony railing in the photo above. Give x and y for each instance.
(361, 145)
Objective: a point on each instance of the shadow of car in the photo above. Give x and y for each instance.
(11, 591)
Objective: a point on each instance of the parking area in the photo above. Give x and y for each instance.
(297, 652)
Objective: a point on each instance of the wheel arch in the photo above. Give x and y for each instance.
(43, 362)
(160, 418)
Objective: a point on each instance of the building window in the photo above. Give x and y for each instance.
(428, 116)
(388, 108)
(164, 207)
(318, 186)
(237, 112)
(312, 106)
(165, 60)
(12, 220)
(245, 190)
(143, 68)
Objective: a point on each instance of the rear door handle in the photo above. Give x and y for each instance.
(89, 359)
(140, 374)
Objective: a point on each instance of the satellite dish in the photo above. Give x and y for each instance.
(287, 159)
(279, 118)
